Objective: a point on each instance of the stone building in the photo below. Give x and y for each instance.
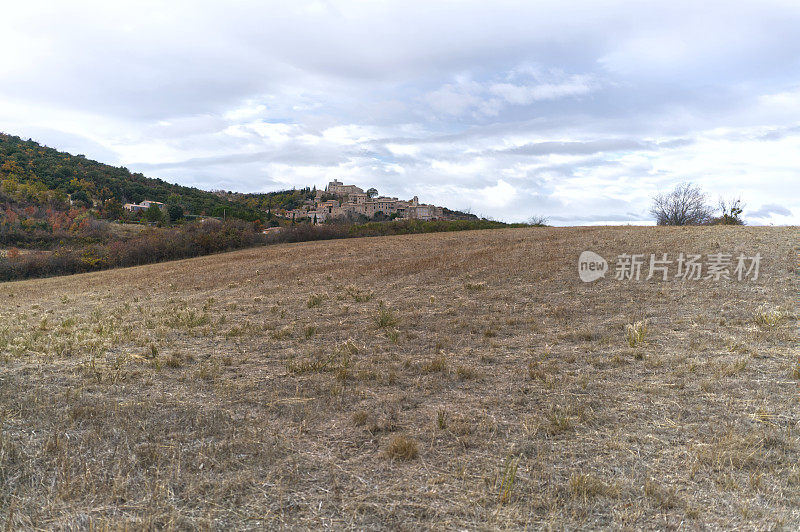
(340, 189)
(353, 201)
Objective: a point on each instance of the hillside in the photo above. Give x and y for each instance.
(63, 203)
(452, 380)
(37, 175)
(32, 175)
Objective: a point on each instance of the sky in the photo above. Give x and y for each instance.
(577, 111)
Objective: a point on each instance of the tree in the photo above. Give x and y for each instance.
(113, 209)
(81, 198)
(105, 194)
(175, 212)
(538, 220)
(154, 213)
(685, 205)
(371, 193)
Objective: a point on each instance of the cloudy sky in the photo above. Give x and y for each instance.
(578, 111)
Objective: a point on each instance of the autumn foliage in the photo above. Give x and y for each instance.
(152, 245)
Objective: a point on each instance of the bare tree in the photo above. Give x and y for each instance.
(685, 205)
(731, 212)
(538, 220)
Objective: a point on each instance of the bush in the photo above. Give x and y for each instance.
(731, 213)
(191, 240)
(153, 245)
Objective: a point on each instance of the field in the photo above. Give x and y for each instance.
(453, 381)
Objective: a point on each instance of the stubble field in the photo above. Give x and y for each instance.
(449, 381)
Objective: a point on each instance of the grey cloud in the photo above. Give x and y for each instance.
(610, 217)
(570, 169)
(590, 147)
(767, 210)
(675, 143)
(291, 155)
(575, 148)
(779, 133)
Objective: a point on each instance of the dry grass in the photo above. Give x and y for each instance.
(455, 381)
(401, 447)
(767, 317)
(385, 317)
(636, 333)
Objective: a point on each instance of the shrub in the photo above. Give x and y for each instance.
(189, 240)
(435, 365)
(314, 300)
(152, 245)
(385, 317)
(359, 295)
(731, 213)
(402, 448)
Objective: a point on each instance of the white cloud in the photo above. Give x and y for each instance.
(457, 99)
(526, 94)
(499, 195)
(489, 98)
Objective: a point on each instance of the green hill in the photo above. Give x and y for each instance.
(32, 175)
(35, 175)
(58, 215)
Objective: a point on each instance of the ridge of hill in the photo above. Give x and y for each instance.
(35, 175)
(37, 181)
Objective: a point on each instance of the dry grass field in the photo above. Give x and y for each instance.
(449, 381)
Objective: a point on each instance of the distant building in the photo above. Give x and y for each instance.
(425, 212)
(340, 189)
(352, 201)
(143, 206)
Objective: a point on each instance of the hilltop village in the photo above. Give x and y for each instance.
(349, 202)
